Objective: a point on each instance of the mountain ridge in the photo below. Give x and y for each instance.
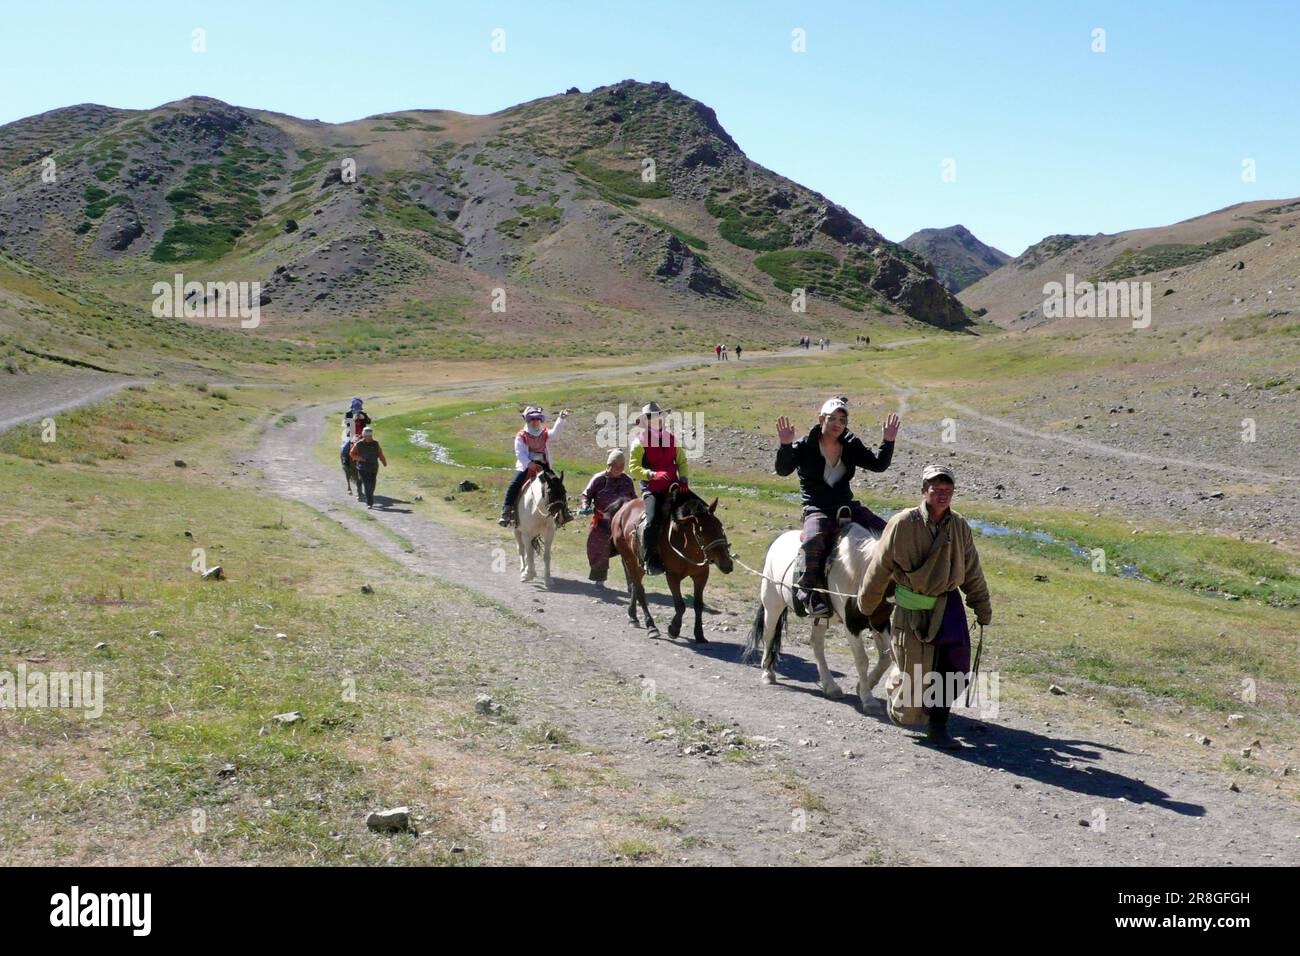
(631, 198)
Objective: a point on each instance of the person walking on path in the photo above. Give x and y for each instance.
(737, 351)
(368, 456)
(928, 553)
(603, 493)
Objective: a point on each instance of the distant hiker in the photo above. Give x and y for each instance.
(658, 462)
(368, 456)
(717, 352)
(927, 553)
(532, 454)
(605, 494)
(826, 460)
(737, 351)
(724, 352)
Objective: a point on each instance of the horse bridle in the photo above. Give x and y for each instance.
(552, 504)
(695, 539)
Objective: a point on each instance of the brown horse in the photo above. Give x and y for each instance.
(691, 539)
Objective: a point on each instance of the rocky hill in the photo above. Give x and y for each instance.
(627, 210)
(1221, 266)
(959, 258)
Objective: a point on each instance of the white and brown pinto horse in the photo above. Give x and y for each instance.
(542, 510)
(846, 566)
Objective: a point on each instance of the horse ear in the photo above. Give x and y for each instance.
(713, 506)
(561, 477)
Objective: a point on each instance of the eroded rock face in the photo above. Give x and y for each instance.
(919, 294)
(838, 223)
(121, 228)
(677, 261)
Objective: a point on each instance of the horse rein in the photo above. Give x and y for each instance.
(695, 539)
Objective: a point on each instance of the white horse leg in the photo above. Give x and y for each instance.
(884, 658)
(829, 687)
(866, 681)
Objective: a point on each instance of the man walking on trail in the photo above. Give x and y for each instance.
(737, 351)
(368, 455)
(717, 353)
(927, 553)
(724, 351)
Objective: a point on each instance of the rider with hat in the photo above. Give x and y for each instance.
(532, 454)
(658, 462)
(827, 459)
(354, 421)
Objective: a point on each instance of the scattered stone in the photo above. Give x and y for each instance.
(1056, 689)
(1234, 788)
(396, 820)
(101, 646)
(292, 717)
(180, 464)
(1040, 577)
(467, 485)
(155, 633)
(1204, 741)
(485, 705)
(229, 770)
(367, 589)
(214, 574)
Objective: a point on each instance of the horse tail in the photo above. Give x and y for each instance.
(753, 650)
(537, 544)
(755, 641)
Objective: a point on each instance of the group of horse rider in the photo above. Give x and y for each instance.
(656, 459)
(362, 451)
(923, 557)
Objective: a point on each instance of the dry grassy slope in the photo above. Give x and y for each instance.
(543, 199)
(1207, 290)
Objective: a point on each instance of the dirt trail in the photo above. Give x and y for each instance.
(1017, 796)
(30, 398)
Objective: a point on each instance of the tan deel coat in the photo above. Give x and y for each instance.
(910, 553)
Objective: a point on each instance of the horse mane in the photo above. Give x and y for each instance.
(688, 504)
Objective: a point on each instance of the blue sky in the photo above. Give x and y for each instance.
(1047, 136)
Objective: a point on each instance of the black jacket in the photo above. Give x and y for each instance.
(806, 456)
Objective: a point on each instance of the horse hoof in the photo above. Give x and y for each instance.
(701, 639)
(833, 691)
(653, 633)
(768, 677)
(674, 631)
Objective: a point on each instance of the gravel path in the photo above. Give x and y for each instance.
(1017, 795)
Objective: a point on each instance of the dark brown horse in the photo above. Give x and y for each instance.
(350, 471)
(691, 539)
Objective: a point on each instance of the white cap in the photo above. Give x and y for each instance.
(615, 454)
(834, 405)
(367, 430)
